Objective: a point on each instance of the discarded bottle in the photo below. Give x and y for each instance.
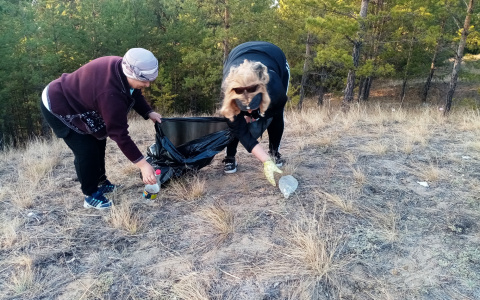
(287, 184)
(151, 190)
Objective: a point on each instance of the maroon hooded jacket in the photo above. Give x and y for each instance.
(95, 99)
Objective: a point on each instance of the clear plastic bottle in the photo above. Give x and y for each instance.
(151, 190)
(287, 184)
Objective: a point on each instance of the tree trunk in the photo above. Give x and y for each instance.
(305, 72)
(378, 29)
(357, 44)
(321, 87)
(348, 92)
(366, 89)
(407, 66)
(458, 58)
(360, 89)
(321, 95)
(226, 26)
(428, 83)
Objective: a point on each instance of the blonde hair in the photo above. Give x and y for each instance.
(246, 74)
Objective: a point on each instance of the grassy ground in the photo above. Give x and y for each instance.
(387, 208)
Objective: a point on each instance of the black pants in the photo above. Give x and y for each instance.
(89, 153)
(275, 133)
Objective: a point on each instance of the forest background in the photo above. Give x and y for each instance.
(332, 46)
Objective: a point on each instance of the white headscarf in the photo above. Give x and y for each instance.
(140, 64)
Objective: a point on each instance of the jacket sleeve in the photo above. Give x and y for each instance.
(239, 128)
(114, 109)
(141, 106)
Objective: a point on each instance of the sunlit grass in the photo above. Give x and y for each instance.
(344, 204)
(192, 286)
(188, 188)
(23, 277)
(220, 219)
(123, 217)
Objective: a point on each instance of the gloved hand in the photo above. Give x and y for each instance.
(268, 168)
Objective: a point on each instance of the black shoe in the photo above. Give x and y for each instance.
(277, 158)
(107, 187)
(230, 165)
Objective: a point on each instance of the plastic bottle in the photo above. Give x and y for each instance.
(151, 190)
(158, 172)
(287, 184)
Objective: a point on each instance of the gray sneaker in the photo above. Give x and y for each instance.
(230, 165)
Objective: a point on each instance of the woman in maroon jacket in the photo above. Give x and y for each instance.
(90, 104)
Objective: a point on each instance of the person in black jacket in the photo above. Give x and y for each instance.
(255, 85)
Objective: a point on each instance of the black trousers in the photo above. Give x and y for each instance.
(275, 133)
(89, 153)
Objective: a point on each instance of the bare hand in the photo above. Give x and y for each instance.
(155, 117)
(148, 173)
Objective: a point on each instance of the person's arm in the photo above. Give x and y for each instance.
(238, 127)
(260, 153)
(269, 167)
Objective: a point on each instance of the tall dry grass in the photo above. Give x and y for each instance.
(9, 232)
(220, 218)
(188, 188)
(192, 286)
(122, 216)
(33, 166)
(23, 277)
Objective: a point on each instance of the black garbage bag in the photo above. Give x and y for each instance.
(187, 144)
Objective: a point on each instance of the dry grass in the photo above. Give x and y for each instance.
(311, 247)
(123, 217)
(416, 134)
(468, 121)
(307, 121)
(9, 232)
(407, 147)
(429, 173)
(359, 227)
(39, 159)
(188, 188)
(220, 219)
(474, 145)
(344, 204)
(192, 286)
(359, 176)
(23, 277)
(315, 253)
(34, 166)
(377, 147)
(351, 157)
(387, 222)
(301, 289)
